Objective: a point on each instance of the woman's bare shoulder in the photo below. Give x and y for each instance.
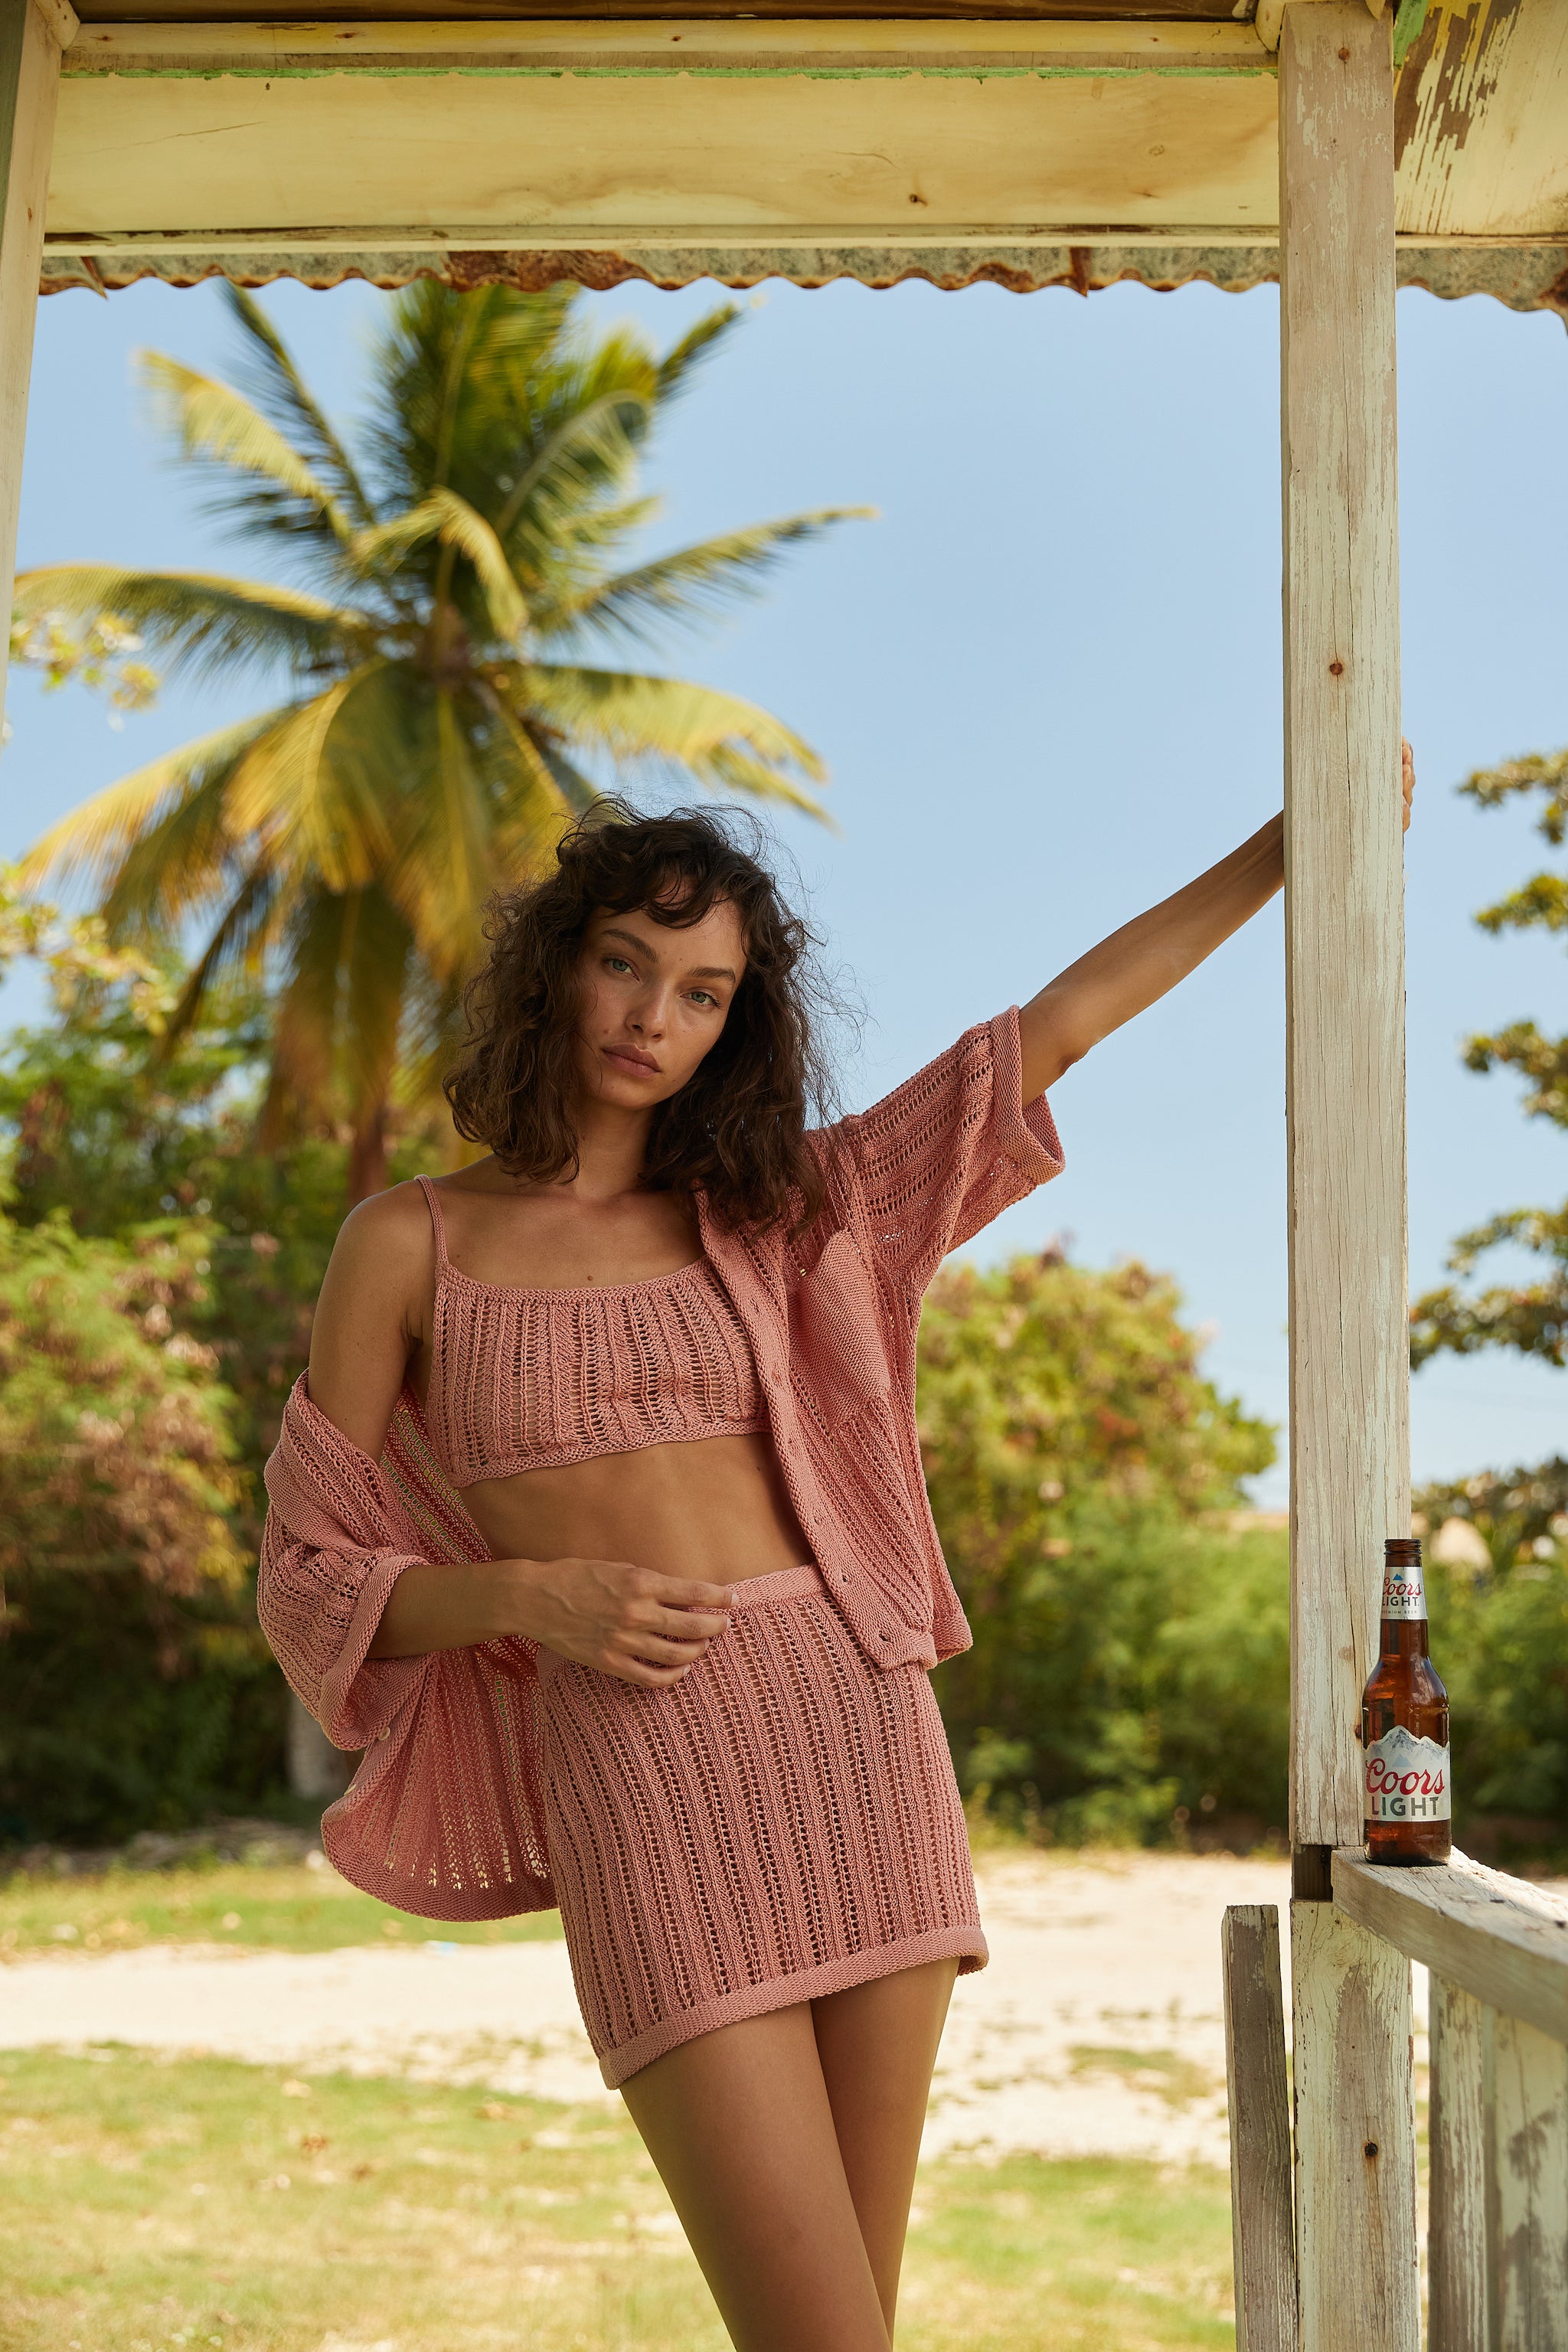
(385, 1245)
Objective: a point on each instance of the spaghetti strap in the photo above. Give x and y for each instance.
(437, 1220)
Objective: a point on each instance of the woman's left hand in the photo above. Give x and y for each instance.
(1406, 778)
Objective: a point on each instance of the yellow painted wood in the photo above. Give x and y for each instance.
(793, 155)
(1482, 119)
(669, 45)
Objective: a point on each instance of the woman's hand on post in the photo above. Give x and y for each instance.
(620, 1620)
(1406, 778)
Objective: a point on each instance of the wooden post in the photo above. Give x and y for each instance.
(1527, 2189)
(1357, 2260)
(1355, 2217)
(33, 33)
(1458, 2125)
(1262, 2229)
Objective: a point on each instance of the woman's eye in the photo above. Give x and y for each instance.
(617, 963)
(705, 996)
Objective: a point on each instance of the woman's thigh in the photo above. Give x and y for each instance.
(878, 2044)
(741, 2128)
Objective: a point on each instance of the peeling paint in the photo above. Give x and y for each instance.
(1450, 72)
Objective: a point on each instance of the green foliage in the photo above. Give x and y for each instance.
(129, 1702)
(1499, 1638)
(124, 1638)
(1130, 1650)
(442, 709)
(1530, 1317)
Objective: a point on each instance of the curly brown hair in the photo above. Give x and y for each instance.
(737, 1129)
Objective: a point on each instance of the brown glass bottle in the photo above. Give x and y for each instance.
(1405, 1726)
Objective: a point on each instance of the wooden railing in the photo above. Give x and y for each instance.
(1497, 1949)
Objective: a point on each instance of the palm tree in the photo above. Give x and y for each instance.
(344, 840)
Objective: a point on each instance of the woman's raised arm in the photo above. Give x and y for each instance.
(1145, 960)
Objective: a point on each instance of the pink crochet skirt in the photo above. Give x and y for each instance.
(782, 1823)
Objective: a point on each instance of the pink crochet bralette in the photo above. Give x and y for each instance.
(529, 1380)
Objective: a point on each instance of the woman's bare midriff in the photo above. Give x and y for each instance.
(714, 1508)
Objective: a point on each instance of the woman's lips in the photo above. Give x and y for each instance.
(642, 1062)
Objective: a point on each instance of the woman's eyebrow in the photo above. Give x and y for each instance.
(645, 947)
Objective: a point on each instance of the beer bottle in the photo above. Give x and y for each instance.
(1404, 1725)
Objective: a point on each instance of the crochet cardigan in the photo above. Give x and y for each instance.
(444, 1815)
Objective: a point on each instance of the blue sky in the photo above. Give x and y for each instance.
(1047, 681)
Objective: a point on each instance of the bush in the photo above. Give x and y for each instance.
(132, 1680)
(1499, 1640)
(1130, 1653)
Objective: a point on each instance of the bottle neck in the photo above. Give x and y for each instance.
(1403, 1637)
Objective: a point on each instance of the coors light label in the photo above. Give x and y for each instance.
(1404, 1592)
(1407, 1778)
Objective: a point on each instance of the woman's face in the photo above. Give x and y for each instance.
(654, 1001)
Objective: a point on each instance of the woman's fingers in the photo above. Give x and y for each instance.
(1406, 778)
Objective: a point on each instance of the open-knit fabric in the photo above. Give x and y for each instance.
(446, 1804)
(780, 1824)
(527, 1380)
(443, 1817)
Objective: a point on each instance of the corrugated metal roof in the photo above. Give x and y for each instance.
(1525, 278)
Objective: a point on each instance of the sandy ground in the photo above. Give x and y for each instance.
(1096, 2028)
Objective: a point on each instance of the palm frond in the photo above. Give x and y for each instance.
(445, 870)
(698, 342)
(696, 582)
(282, 395)
(326, 815)
(211, 421)
(244, 930)
(446, 517)
(97, 840)
(202, 623)
(588, 443)
(669, 724)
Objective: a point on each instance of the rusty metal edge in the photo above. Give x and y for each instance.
(1531, 277)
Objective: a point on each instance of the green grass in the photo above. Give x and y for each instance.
(282, 1906)
(150, 2205)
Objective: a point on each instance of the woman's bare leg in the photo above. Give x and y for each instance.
(878, 2043)
(741, 2128)
(788, 2145)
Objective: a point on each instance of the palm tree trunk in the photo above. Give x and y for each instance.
(367, 1158)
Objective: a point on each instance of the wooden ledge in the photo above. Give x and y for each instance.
(752, 46)
(1500, 1938)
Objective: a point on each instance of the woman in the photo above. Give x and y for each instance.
(666, 1660)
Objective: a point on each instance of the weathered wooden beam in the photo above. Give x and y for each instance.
(816, 154)
(1357, 2264)
(1502, 1939)
(1357, 2281)
(1262, 2224)
(1527, 2189)
(33, 33)
(1459, 2123)
(682, 46)
(1344, 887)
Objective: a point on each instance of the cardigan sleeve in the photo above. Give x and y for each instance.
(337, 1539)
(319, 1605)
(934, 1161)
